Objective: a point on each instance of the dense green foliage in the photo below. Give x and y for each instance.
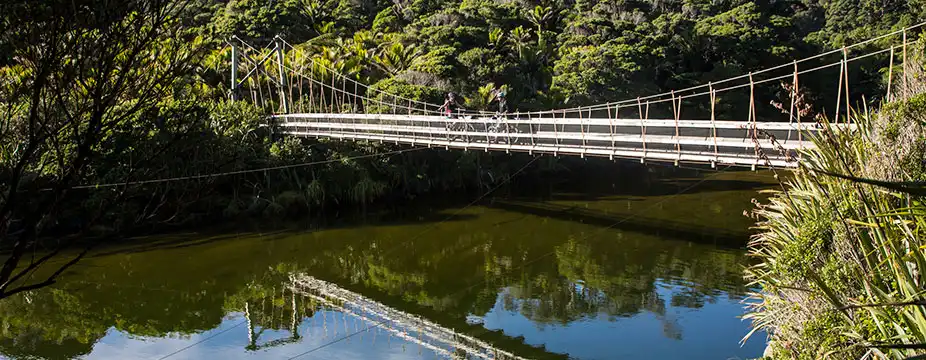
(842, 245)
(551, 53)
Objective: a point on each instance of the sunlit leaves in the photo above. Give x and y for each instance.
(590, 72)
(396, 57)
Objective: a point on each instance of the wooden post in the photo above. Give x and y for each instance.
(676, 111)
(279, 50)
(752, 113)
(797, 87)
(642, 125)
(301, 78)
(253, 92)
(845, 73)
(588, 128)
(356, 106)
(890, 75)
(312, 89)
(793, 96)
(485, 126)
(530, 125)
(713, 93)
(842, 69)
(260, 91)
(234, 71)
(322, 98)
(582, 131)
(617, 111)
(411, 122)
(904, 65)
(448, 126)
(508, 129)
(292, 79)
(333, 98)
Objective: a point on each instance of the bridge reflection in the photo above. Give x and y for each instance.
(374, 315)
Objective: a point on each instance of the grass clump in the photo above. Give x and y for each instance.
(841, 246)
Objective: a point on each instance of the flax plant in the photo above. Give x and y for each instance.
(841, 246)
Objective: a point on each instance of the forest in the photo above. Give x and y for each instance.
(112, 112)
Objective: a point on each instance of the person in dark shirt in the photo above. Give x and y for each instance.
(450, 104)
(502, 101)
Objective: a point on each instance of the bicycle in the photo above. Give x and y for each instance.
(464, 126)
(502, 127)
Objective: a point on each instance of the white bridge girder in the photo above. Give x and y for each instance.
(695, 141)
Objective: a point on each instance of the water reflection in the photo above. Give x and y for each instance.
(547, 284)
(408, 327)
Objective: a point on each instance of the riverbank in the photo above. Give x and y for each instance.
(842, 248)
(570, 186)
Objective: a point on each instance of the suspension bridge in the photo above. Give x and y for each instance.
(405, 326)
(308, 307)
(309, 97)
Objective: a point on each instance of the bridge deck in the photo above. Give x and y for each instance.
(700, 141)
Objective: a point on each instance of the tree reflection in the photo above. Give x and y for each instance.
(49, 324)
(553, 276)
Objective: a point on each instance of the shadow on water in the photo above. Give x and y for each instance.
(275, 232)
(682, 204)
(593, 192)
(145, 244)
(659, 227)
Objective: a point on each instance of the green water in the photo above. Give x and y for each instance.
(607, 270)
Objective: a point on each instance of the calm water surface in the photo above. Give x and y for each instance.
(614, 271)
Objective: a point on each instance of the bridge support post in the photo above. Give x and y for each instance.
(234, 71)
(278, 45)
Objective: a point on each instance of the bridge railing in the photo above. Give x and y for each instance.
(718, 142)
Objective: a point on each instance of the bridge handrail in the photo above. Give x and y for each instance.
(675, 94)
(426, 104)
(338, 75)
(363, 98)
(572, 121)
(739, 141)
(704, 157)
(646, 99)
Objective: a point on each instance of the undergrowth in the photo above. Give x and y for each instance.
(841, 246)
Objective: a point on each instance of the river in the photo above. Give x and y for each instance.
(598, 270)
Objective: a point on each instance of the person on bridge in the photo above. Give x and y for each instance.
(502, 102)
(450, 104)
